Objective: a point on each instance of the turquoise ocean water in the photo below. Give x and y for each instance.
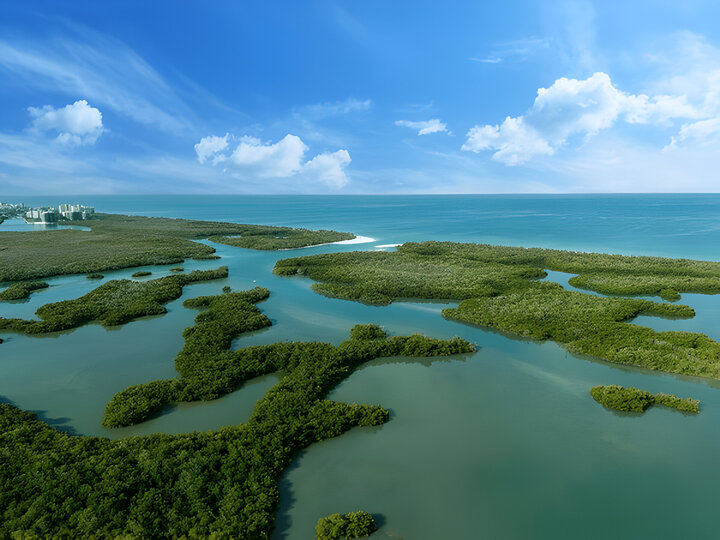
(503, 443)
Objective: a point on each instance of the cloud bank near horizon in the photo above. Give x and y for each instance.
(280, 160)
(582, 108)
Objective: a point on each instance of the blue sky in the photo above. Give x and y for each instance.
(359, 97)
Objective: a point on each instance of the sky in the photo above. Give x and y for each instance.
(364, 97)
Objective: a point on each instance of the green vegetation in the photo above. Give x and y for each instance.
(450, 270)
(18, 291)
(220, 484)
(95, 276)
(498, 288)
(117, 242)
(200, 362)
(112, 303)
(208, 369)
(681, 404)
(352, 525)
(272, 238)
(142, 273)
(177, 269)
(635, 400)
(594, 326)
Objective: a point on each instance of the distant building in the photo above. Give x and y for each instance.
(76, 212)
(69, 212)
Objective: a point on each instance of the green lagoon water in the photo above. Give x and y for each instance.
(505, 443)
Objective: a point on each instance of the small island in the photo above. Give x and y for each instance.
(636, 400)
(20, 291)
(351, 525)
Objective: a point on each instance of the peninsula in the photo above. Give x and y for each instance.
(117, 241)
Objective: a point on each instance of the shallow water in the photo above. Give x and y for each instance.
(503, 443)
(10, 225)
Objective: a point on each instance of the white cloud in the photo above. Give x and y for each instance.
(424, 127)
(253, 159)
(328, 168)
(514, 141)
(703, 131)
(78, 123)
(572, 107)
(211, 146)
(281, 159)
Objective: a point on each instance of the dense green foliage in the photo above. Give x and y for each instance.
(681, 404)
(636, 400)
(177, 269)
(112, 303)
(498, 287)
(594, 326)
(377, 277)
(117, 242)
(206, 345)
(208, 369)
(450, 270)
(95, 276)
(351, 525)
(220, 484)
(272, 238)
(141, 273)
(18, 291)
(366, 331)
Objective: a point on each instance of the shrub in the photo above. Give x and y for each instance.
(352, 525)
(635, 400)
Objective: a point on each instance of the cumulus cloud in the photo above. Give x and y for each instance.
(78, 123)
(253, 158)
(281, 159)
(514, 141)
(572, 108)
(425, 127)
(700, 132)
(329, 168)
(210, 147)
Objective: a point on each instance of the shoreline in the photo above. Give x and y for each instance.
(357, 240)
